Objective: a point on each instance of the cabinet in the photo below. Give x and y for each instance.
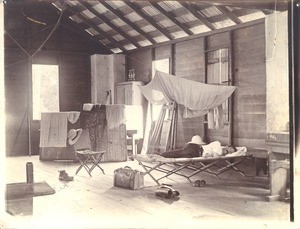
(129, 93)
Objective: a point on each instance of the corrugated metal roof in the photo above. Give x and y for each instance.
(253, 16)
(92, 31)
(116, 4)
(130, 24)
(116, 50)
(200, 29)
(187, 18)
(133, 33)
(170, 5)
(166, 23)
(151, 11)
(144, 43)
(118, 22)
(87, 14)
(129, 47)
(119, 37)
(179, 34)
(100, 8)
(211, 11)
(148, 28)
(134, 17)
(161, 39)
(104, 27)
(223, 24)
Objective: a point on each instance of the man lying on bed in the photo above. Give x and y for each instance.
(197, 148)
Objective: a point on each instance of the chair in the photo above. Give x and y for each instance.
(85, 155)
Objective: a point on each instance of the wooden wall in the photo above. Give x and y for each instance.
(140, 61)
(66, 47)
(248, 72)
(249, 126)
(189, 63)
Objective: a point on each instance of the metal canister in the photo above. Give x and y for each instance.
(29, 172)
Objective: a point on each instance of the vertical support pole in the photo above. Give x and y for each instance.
(29, 108)
(230, 82)
(205, 81)
(294, 98)
(2, 112)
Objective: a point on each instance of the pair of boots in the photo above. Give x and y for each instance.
(63, 176)
(167, 192)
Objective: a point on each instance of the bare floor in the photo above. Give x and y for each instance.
(93, 202)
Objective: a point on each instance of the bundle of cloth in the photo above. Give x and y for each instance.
(197, 148)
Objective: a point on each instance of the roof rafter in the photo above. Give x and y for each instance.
(172, 18)
(102, 33)
(108, 22)
(149, 19)
(281, 5)
(230, 14)
(198, 15)
(122, 17)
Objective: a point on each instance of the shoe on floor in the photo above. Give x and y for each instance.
(63, 176)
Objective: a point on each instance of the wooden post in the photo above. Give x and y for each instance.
(231, 82)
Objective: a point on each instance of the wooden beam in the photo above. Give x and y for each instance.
(172, 18)
(198, 15)
(122, 17)
(281, 5)
(101, 33)
(109, 23)
(229, 14)
(149, 19)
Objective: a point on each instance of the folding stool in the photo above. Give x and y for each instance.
(86, 155)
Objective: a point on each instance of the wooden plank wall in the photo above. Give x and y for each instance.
(189, 63)
(248, 64)
(67, 48)
(140, 61)
(16, 101)
(249, 109)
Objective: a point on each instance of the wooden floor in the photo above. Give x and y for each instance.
(93, 201)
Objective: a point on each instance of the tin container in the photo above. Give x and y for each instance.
(29, 172)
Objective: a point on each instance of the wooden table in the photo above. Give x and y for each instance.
(19, 196)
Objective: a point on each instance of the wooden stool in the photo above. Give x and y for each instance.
(88, 156)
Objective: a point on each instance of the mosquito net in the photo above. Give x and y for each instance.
(197, 98)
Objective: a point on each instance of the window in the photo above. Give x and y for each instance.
(217, 72)
(45, 89)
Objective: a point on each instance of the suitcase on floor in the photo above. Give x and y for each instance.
(128, 178)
